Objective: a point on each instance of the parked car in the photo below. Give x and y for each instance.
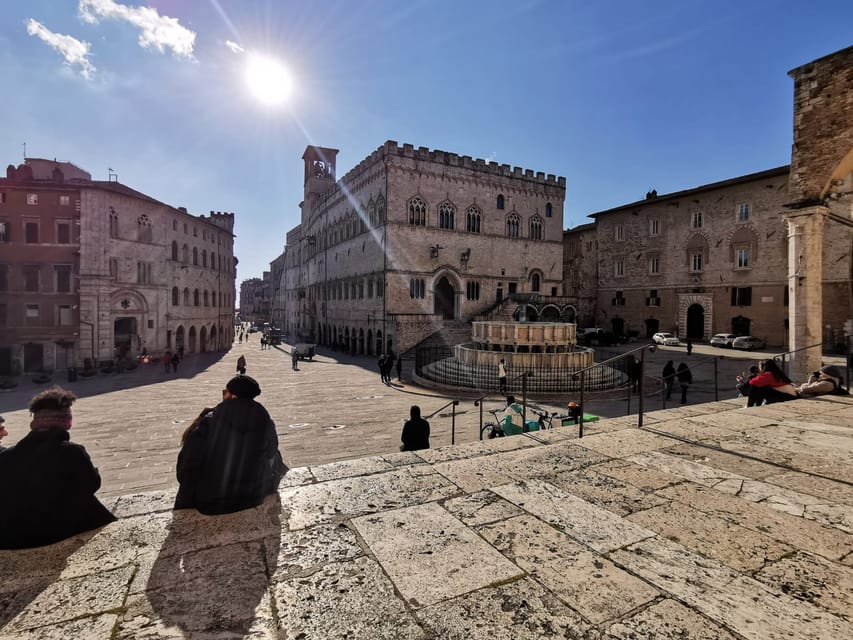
(722, 340)
(304, 351)
(666, 339)
(748, 343)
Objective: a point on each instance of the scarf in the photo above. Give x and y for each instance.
(50, 418)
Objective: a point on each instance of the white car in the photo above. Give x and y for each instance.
(748, 343)
(722, 340)
(666, 339)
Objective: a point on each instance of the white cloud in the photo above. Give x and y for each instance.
(75, 52)
(160, 32)
(236, 48)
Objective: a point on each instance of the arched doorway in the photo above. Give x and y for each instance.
(445, 299)
(568, 314)
(617, 325)
(695, 322)
(740, 326)
(361, 341)
(550, 314)
(191, 347)
(346, 339)
(124, 333)
(378, 342)
(180, 338)
(369, 342)
(203, 340)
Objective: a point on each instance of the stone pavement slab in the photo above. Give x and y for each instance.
(622, 535)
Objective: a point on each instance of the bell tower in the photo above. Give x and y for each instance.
(319, 172)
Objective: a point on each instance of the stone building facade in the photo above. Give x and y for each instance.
(580, 271)
(144, 276)
(413, 239)
(255, 299)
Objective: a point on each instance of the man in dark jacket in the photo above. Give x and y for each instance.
(415, 431)
(50, 481)
(231, 461)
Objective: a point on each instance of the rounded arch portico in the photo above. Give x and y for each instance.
(446, 291)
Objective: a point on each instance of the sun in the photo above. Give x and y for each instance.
(268, 80)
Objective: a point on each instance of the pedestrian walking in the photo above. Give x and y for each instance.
(400, 368)
(294, 357)
(502, 375)
(263, 343)
(241, 365)
(176, 360)
(685, 379)
(689, 346)
(167, 361)
(381, 364)
(668, 377)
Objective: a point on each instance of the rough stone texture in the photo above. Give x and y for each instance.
(549, 539)
(586, 581)
(667, 620)
(521, 610)
(344, 600)
(430, 556)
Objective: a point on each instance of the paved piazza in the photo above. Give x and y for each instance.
(714, 522)
(334, 408)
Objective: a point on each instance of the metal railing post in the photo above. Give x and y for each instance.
(640, 386)
(453, 424)
(580, 420)
(716, 382)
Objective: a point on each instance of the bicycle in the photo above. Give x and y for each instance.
(545, 419)
(493, 429)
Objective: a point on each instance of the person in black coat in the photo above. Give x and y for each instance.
(685, 379)
(415, 432)
(50, 481)
(230, 460)
(668, 377)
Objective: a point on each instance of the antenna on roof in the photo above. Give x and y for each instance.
(112, 176)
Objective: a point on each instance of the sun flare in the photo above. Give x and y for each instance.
(268, 80)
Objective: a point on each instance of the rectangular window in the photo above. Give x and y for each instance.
(743, 212)
(4, 277)
(63, 233)
(619, 268)
(619, 300)
(63, 278)
(64, 315)
(143, 273)
(619, 232)
(696, 220)
(32, 198)
(743, 258)
(653, 300)
(741, 296)
(113, 268)
(696, 261)
(4, 231)
(31, 278)
(31, 232)
(654, 227)
(64, 201)
(472, 290)
(654, 265)
(3, 316)
(32, 311)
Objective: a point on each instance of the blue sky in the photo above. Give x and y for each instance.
(619, 97)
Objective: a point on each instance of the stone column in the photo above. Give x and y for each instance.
(805, 288)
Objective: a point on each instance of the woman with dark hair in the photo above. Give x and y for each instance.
(770, 385)
(53, 480)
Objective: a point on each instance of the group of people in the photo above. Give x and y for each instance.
(767, 384)
(229, 461)
(386, 364)
(682, 375)
(172, 360)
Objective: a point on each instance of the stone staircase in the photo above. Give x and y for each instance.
(452, 333)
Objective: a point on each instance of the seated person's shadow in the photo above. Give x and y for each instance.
(26, 573)
(213, 572)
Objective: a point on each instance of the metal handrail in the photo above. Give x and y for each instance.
(787, 353)
(615, 358)
(452, 418)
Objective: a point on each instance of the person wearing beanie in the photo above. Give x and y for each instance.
(52, 481)
(230, 461)
(828, 379)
